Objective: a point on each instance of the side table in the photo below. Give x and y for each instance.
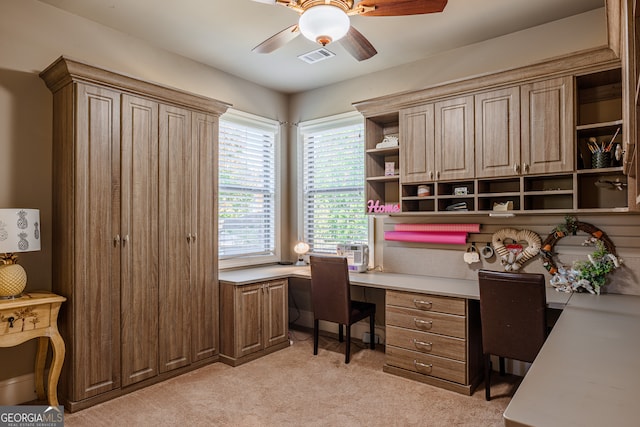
(35, 315)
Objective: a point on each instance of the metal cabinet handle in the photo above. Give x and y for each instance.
(516, 168)
(437, 174)
(125, 240)
(116, 240)
(417, 365)
(426, 323)
(194, 236)
(421, 345)
(525, 168)
(423, 305)
(430, 174)
(189, 238)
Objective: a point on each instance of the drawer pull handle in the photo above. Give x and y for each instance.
(424, 305)
(420, 345)
(417, 365)
(425, 323)
(11, 319)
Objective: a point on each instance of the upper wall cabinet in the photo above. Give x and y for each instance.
(521, 140)
(547, 126)
(497, 132)
(437, 141)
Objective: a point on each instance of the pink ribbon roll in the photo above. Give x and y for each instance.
(467, 228)
(448, 238)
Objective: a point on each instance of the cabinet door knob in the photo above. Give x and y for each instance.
(516, 168)
(194, 236)
(189, 238)
(11, 319)
(430, 174)
(525, 168)
(437, 174)
(116, 240)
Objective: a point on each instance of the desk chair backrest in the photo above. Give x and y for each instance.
(513, 314)
(330, 288)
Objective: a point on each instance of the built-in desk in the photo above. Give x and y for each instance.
(588, 371)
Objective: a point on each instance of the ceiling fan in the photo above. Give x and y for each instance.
(326, 21)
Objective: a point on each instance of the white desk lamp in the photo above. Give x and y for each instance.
(301, 248)
(19, 232)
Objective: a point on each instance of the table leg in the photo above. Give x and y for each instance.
(56, 366)
(41, 358)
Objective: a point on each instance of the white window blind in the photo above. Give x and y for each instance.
(333, 182)
(247, 199)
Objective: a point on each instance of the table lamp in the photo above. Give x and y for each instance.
(19, 232)
(301, 248)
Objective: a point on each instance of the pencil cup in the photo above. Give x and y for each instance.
(600, 159)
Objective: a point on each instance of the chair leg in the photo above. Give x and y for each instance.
(487, 376)
(340, 333)
(315, 336)
(502, 370)
(347, 351)
(372, 331)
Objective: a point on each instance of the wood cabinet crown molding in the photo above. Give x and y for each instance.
(66, 70)
(583, 62)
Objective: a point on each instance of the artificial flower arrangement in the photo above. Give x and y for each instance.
(583, 276)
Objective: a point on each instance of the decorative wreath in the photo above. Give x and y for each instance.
(513, 256)
(571, 226)
(589, 276)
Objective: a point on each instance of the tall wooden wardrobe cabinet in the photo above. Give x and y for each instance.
(134, 229)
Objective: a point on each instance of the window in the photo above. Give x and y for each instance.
(332, 160)
(248, 202)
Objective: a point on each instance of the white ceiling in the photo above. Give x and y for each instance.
(221, 33)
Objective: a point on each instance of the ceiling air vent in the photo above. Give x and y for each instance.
(316, 55)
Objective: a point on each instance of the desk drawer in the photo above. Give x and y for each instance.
(448, 369)
(25, 319)
(426, 302)
(424, 342)
(437, 323)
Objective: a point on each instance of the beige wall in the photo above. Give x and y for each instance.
(33, 35)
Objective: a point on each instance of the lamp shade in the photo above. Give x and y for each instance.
(19, 230)
(301, 248)
(324, 23)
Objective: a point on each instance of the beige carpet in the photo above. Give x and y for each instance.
(293, 388)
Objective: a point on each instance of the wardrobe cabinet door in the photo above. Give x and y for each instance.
(454, 138)
(174, 238)
(139, 205)
(95, 225)
(204, 238)
(417, 152)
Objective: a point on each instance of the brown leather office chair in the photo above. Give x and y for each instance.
(513, 317)
(331, 300)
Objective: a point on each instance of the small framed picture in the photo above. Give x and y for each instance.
(389, 168)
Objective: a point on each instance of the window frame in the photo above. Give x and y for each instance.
(252, 120)
(318, 125)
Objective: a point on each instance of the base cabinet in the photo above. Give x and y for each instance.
(434, 339)
(254, 320)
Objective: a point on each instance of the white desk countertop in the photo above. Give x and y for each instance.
(588, 371)
(389, 281)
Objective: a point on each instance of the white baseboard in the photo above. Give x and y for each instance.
(17, 390)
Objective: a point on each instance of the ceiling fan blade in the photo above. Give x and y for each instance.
(277, 40)
(358, 45)
(402, 7)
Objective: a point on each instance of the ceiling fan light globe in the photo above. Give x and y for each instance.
(324, 24)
